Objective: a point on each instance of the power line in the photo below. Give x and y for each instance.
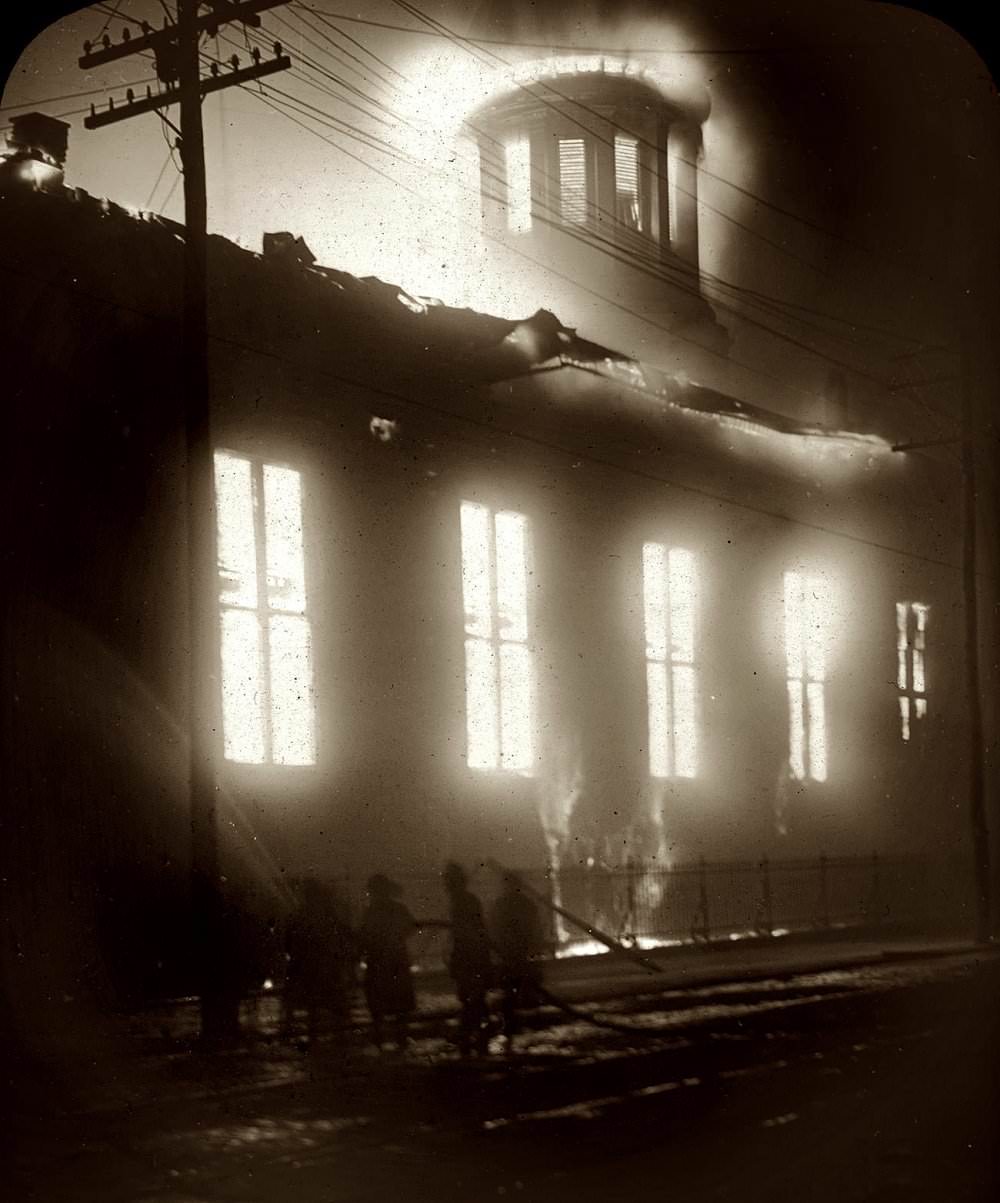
(378, 144)
(412, 9)
(441, 31)
(661, 268)
(466, 43)
(493, 430)
(610, 249)
(730, 360)
(606, 246)
(301, 74)
(112, 14)
(57, 116)
(332, 50)
(152, 191)
(532, 90)
(170, 195)
(365, 71)
(29, 104)
(354, 41)
(313, 83)
(574, 49)
(757, 299)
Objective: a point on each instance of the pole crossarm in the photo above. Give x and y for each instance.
(169, 96)
(246, 11)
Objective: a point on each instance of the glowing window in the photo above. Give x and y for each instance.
(499, 664)
(573, 180)
(669, 588)
(265, 633)
(517, 156)
(911, 678)
(806, 618)
(627, 206)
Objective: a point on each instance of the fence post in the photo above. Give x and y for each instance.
(874, 890)
(765, 896)
(630, 920)
(706, 926)
(824, 894)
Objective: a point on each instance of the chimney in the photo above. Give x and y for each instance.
(36, 151)
(288, 249)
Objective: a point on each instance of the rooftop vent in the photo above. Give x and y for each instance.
(36, 151)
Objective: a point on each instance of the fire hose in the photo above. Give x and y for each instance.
(602, 937)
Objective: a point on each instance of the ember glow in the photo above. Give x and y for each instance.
(807, 608)
(499, 670)
(267, 686)
(911, 646)
(442, 93)
(670, 600)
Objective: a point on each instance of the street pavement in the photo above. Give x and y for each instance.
(849, 1070)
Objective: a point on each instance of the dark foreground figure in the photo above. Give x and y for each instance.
(469, 961)
(386, 928)
(320, 952)
(517, 939)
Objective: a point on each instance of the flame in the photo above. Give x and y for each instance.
(434, 105)
(557, 801)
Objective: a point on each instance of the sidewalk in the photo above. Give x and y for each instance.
(608, 975)
(150, 1057)
(692, 966)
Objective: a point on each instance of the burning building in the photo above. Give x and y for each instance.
(487, 588)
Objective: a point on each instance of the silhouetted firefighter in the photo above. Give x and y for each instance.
(227, 965)
(517, 938)
(385, 929)
(321, 955)
(469, 960)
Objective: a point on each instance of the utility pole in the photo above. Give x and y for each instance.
(982, 883)
(977, 779)
(178, 65)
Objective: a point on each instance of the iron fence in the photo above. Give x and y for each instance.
(645, 906)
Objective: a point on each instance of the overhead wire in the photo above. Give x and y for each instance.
(413, 10)
(568, 48)
(28, 104)
(354, 41)
(303, 108)
(277, 106)
(441, 32)
(535, 90)
(727, 358)
(304, 30)
(365, 71)
(381, 146)
(378, 144)
(371, 141)
(152, 191)
(465, 43)
(740, 290)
